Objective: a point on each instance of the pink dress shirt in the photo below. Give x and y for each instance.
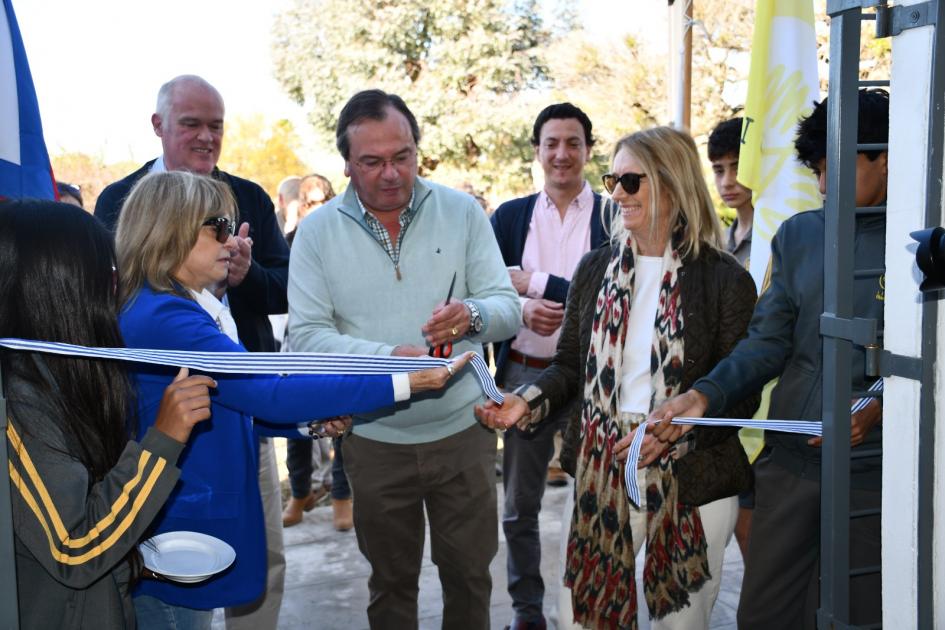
(553, 246)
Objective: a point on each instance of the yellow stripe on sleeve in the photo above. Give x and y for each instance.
(64, 540)
(61, 556)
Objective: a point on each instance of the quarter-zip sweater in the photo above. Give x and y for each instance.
(344, 296)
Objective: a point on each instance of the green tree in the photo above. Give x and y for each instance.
(461, 66)
(262, 151)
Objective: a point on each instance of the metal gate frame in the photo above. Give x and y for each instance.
(841, 329)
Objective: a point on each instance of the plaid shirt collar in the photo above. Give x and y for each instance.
(380, 232)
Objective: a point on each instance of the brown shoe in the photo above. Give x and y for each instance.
(557, 477)
(342, 511)
(292, 514)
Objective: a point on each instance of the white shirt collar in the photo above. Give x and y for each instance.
(219, 311)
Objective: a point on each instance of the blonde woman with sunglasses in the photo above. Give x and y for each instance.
(647, 315)
(174, 243)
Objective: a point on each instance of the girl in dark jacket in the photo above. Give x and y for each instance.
(83, 493)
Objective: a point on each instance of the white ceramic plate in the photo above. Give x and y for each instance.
(186, 556)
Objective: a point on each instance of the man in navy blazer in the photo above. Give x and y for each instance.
(189, 122)
(542, 238)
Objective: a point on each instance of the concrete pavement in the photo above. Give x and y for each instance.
(326, 578)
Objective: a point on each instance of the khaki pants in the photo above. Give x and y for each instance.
(454, 480)
(263, 614)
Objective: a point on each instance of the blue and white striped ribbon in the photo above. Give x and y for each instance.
(263, 362)
(804, 427)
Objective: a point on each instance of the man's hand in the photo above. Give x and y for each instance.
(861, 424)
(543, 316)
(407, 350)
(449, 322)
(241, 258)
(691, 404)
(520, 280)
(495, 417)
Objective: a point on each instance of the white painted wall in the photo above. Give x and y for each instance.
(908, 129)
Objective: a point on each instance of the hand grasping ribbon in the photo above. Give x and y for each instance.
(805, 427)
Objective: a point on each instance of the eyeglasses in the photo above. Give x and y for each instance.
(222, 225)
(630, 182)
(376, 164)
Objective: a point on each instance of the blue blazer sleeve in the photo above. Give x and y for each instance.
(173, 323)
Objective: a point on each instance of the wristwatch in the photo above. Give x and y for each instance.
(475, 318)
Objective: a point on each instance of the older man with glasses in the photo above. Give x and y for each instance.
(369, 274)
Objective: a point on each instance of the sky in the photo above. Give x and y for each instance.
(97, 64)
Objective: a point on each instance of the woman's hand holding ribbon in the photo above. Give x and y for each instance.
(437, 377)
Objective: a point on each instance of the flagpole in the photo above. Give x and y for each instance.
(680, 71)
(686, 88)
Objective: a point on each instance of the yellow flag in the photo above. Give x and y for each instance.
(782, 87)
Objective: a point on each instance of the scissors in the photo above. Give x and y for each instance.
(443, 351)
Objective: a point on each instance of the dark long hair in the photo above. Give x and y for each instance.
(58, 283)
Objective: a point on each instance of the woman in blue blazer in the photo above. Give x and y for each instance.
(174, 242)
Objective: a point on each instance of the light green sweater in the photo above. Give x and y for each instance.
(344, 297)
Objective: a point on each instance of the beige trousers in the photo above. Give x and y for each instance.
(263, 614)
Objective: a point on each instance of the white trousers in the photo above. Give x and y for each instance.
(718, 522)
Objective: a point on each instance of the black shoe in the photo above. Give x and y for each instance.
(520, 624)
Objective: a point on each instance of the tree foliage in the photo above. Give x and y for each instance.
(476, 72)
(262, 151)
(614, 83)
(89, 173)
(461, 66)
(721, 46)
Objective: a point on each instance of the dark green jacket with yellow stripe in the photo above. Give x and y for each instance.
(72, 537)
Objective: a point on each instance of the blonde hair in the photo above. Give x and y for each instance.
(159, 225)
(670, 161)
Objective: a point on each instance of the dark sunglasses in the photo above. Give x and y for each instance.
(630, 182)
(222, 225)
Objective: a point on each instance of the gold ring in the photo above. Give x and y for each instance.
(454, 331)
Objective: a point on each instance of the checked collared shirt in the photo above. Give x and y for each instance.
(383, 236)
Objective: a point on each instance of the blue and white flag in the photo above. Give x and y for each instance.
(25, 170)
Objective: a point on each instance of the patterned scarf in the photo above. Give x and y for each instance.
(600, 563)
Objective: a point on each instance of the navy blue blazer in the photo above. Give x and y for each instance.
(510, 223)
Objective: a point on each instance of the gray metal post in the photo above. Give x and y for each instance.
(9, 610)
(840, 213)
(925, 605)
